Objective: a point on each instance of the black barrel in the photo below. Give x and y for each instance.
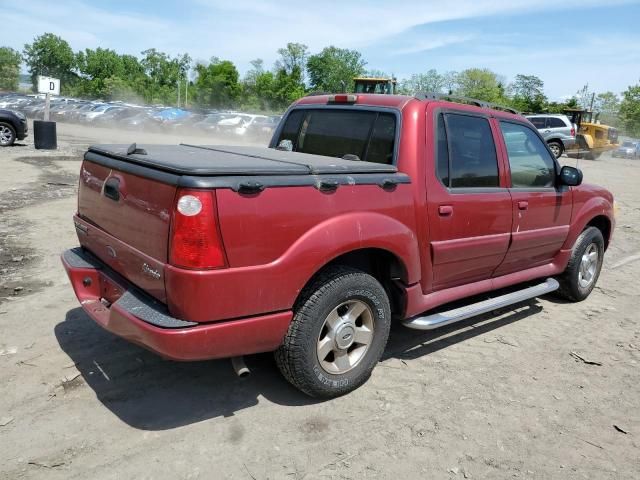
(44, 135)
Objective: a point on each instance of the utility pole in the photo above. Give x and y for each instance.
(178, 93)
(186, 92)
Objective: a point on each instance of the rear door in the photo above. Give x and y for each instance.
(469, 206)
(558, 128)
(541, 124)
(541, 209)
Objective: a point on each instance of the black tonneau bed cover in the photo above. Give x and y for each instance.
(216, 160)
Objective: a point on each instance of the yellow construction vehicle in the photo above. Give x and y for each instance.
(376, 85)
(592, 137)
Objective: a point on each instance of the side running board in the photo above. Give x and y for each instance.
(429, 322)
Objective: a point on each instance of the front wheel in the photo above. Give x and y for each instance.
(338, 334)
(583, 269)
(7, 134)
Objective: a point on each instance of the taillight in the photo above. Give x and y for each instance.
(195, 240)
(573, 132)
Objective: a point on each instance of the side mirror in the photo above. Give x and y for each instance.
(570, 176)
(285, 146)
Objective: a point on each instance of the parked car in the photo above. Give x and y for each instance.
(116, 116)
(143, 120)
(210, 122)
(262, 128)
(366, 209)
(557, 130)
(627, 150)
(13, 126)
(237, 124)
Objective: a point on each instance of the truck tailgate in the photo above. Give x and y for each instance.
(124, 220)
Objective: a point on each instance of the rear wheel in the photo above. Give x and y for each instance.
(556, 148)
(583, 269)
(338, 334)
(7, 134)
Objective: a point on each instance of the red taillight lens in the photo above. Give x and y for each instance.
(195, 240)
(573, 132)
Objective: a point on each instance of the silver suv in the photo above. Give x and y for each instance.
(557, 130)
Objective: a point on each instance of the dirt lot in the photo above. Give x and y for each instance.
(496, 397)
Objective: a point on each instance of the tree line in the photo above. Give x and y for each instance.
(156, 77)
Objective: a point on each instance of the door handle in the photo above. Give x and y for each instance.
(445, 210)
(523, 205)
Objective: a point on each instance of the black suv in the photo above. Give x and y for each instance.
(13, 126)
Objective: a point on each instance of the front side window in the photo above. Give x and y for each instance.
(369, 135)
(470, 151)
(531, 164)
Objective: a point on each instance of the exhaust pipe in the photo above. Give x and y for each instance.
(240, 367)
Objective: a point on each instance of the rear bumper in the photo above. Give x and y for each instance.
(568, 143)
(120, 308)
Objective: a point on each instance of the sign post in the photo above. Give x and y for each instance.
(44, 132)
(49, 86)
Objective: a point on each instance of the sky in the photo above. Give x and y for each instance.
(567, 43)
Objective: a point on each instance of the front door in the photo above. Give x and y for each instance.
(541, 209)
(469, 206)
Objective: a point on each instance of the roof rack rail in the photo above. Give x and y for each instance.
(466, 100)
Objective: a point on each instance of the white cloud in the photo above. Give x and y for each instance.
(246, 29)
(433, 43)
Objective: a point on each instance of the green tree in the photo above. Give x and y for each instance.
(630, 110)
(163, 74)
(257, 69)
(265, 97)
(293, 58)
(333, 69)
(217, 84)
(10, 61)
(450, 79)
(608, 104)
(287, 87)
(528, 93)
(482, 84)
(431, 81)
(585, 97)
(94, 68)
(52, 56)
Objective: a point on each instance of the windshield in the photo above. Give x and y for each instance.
(628, 145)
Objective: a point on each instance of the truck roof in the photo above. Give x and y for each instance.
(401, 101)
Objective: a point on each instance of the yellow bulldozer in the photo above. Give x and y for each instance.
(592, 137)
(376, 85)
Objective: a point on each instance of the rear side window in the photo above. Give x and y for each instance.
(369, 135)
(553, 122)
(538, 122)
(470, 151)
(530, 162)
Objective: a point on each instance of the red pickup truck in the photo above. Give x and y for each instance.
(366, 209)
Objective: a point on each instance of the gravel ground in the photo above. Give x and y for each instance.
(499, 396)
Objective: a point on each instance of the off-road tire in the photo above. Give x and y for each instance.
(556, 147)
(10, 131)
(297, 358)
(570, 288)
